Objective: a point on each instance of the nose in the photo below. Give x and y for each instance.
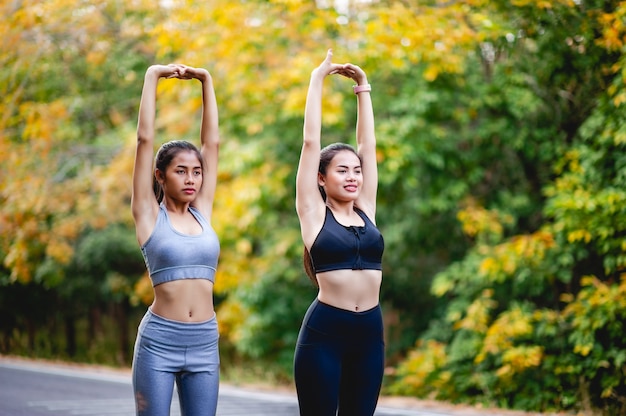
(189, 178)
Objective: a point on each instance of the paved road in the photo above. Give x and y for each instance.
(34, 389)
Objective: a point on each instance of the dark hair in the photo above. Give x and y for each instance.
(164, 156)
(326, 156)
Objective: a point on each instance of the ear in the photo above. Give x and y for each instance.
(159, 176)
(321, 181)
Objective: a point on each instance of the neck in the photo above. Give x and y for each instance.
(176, 206)
(343, 207)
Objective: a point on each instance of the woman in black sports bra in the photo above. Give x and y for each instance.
(339, 358)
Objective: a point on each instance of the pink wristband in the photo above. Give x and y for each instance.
(362, 88)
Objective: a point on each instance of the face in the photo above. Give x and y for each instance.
(183, 177)
(343, 177)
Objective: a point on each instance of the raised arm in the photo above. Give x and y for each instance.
(144, 205)
(309, 202)
(366, 139)
(209, 138)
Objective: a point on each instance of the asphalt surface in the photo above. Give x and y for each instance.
(41, 389)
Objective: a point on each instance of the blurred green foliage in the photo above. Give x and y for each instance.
(501, 136)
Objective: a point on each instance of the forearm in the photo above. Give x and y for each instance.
(365, 119)
(313, 108)
(147, 107)
(209, 133)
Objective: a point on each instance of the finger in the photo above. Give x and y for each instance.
(329, 57)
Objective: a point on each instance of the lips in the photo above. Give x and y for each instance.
(189, 191)
(350, 188)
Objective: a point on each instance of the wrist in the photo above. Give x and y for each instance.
(362, 88)
(203, 75)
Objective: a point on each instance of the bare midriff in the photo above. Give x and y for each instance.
(187, 300)
(353, 290)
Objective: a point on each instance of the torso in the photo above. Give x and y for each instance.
(186, 299)
(353, 283)
(353, 290)
(189, 300)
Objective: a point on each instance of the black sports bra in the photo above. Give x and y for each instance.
(338, 247)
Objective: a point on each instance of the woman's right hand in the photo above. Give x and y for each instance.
(327, 67)
(164, 71)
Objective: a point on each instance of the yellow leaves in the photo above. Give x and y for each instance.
(521, 251)
(438, 36)
(501, 334)
(424, 360)
(619, 138)
(476, 220)
(517, 359)
(478, 314)
(59, 250)
(431, 72)
(142, 292)
(579, 235)
(540, 4)
(596, 307)
(41, 121)
(108, 191)
(16, 260)
(231, 316)
(614, 28)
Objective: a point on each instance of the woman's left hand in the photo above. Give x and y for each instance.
(353, 72)
(189, 72)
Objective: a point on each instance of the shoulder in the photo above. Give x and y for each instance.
(366, 214)
(198, 213)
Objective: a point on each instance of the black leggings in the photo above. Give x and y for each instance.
(339, 361)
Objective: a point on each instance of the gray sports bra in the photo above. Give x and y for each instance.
(171, 255)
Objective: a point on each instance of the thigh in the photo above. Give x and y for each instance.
(198, 392)
(317, 368)
(153, 370)
(198, 382)
(153, 388)
(361, 379)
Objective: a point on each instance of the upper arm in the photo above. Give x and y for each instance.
(309, 202)
(366, 147)
(209, 149)
(369, 190)
(144, 205)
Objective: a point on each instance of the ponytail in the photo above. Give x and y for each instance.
(157, 188)
(308, 266)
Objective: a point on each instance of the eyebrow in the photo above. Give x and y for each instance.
(187, 167)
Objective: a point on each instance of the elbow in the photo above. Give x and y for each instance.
(144, 137)
(214, 139)
(311, 138)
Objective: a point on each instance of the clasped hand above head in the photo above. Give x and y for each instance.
(354, 72)
(179, 71)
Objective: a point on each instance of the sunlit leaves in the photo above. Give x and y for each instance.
(501, 141)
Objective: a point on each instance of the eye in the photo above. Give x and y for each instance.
(180, 171)
(197, 173)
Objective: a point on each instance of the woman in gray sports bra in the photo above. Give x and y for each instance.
(339, 358)
(177, 340)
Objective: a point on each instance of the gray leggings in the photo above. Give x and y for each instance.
(169, 351)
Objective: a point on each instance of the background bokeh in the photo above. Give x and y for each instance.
(502, 198)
